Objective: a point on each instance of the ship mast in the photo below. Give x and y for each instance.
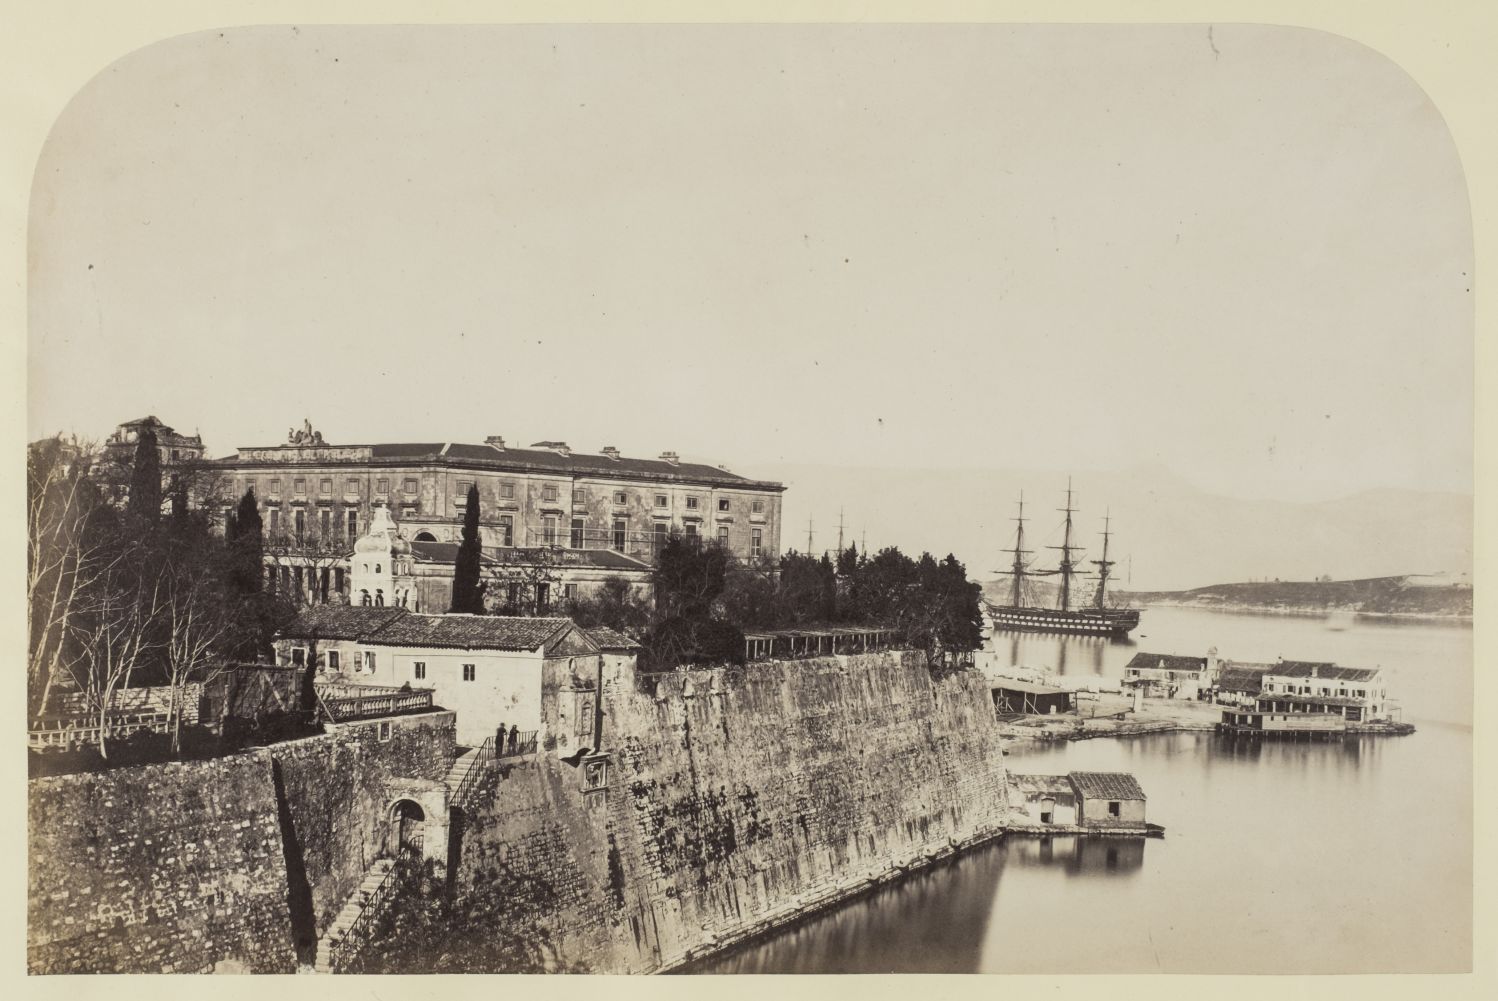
(1102, 567)
(1019, 551)
(1067, 567)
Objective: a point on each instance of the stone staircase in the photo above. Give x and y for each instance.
(353, 910)
(462, 766)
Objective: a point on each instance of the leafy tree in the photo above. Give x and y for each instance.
(689, 576)
(145, 478)
(615, 604)
(468, 591)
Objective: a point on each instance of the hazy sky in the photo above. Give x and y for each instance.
(1244, 255)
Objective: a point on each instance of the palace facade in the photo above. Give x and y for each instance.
(544, 496)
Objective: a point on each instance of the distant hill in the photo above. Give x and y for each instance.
(1405, 595)
(1170, 534)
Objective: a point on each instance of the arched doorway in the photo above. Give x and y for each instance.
(407, 824)
(425, 537)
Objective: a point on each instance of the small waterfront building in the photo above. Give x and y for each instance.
(1108, 799)
(1013, 696)
(1169, 676)
(1102, 800)
(1271, 722)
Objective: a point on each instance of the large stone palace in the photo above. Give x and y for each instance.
(593, 514)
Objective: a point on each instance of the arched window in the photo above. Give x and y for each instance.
(366, 568)
(363, 597)
(379, 597)
(377, 568)
(425, 537)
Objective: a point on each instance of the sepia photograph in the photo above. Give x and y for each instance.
(759, 498)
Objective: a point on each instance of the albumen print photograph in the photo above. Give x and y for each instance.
(721, 499)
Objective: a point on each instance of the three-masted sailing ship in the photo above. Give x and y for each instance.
(1094, 618)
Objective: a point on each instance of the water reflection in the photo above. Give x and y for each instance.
(1079, 855)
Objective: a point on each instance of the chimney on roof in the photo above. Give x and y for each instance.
(495, 441)
(559, 447)
(670, 457)
(611, 452)
(1315, 671)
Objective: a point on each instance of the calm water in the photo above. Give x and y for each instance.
(1350, 856)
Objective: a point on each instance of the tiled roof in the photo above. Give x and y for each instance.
(545, 458)
(1041, 783)
(469, 632)
(1242, 677)
(1167, 662)
(1311, 669)
(611, 639)
(1106, 785)
(340, 622)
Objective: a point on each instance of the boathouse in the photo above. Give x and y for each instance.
(1093, 801)
(1239, 684)
(1108, 799)
(1266, 723)
(1012, 696)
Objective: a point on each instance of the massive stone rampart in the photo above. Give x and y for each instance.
(238, 862)
(160, 868)
(738, 799)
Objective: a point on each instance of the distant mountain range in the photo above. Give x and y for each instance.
(1169, 534)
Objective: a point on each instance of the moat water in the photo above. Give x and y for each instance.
(1338, 857)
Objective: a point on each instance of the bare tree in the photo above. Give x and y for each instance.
(317, 554)
(65, 556)
(198, 615)
(113, 625)
(516, 579)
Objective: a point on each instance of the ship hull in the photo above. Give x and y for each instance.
(1117, 622)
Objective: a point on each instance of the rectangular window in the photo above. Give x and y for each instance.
(620, 498)
(299, 485)
(369, 662)
(384, 730)
(549, 492)
(1113, 810)
(332, 660)
(756, 542)
(579, 495)
(722, 535)
(299, 656)
(351, 486)
(660, 500)
(325, 523)
(758, 507)
(507, 490)
(408, 486)
(470, 672)
(383, 484)
(691, 528)
(460, 497)
(325, 486)
(595, 774)
(692, 503)
(549, 530)
(543, 598)
(419, 670)
(659, 539)
(275, 486)
(506, 530)
(569, 591)
(619, 531)
(275, 521)
(722, 503)
(577, 533)
(353, 525)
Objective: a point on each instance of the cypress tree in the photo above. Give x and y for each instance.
(145, 478)
(468, 593)
(248, 545)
